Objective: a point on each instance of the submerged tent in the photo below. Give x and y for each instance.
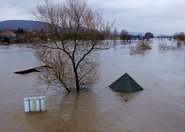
(125, 84)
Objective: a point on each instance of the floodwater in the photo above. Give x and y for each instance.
(159, 108)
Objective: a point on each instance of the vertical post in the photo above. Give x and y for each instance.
(29, 105)
(40, 107)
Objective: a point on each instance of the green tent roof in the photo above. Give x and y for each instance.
(125, 84)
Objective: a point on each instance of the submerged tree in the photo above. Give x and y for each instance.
(148, 36)
(179, 36)
(76, 31)
(140, 48)
(125, 36)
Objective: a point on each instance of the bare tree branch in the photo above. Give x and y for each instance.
(76, 31)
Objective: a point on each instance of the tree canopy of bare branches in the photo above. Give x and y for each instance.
(76, 32)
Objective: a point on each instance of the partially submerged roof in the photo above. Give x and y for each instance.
(7, 32)
(36, 69)
(125, 84)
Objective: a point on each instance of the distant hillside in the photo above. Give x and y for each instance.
(25, 24)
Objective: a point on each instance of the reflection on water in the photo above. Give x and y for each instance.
(160, 107)
(127, 96)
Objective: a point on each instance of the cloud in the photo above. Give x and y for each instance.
(16, 9)
(158, 16)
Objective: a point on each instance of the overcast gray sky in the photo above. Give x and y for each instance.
(157, 16)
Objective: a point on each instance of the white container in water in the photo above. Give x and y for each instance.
(35, 104)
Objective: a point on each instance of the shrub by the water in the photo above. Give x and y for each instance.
(140, 48)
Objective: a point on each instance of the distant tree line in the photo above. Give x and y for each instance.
(179, 36)
(24, 36)
(125, 36)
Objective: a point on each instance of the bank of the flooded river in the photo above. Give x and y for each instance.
(160, 107)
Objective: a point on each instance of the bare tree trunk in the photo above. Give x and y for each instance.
(77, 80)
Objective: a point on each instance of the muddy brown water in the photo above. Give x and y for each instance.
(159, 108)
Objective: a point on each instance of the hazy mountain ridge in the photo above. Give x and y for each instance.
(34, 25)
(24, 24)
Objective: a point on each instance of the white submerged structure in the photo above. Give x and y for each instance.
(35, 104)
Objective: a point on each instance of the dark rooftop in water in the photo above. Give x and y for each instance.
(125, 84)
